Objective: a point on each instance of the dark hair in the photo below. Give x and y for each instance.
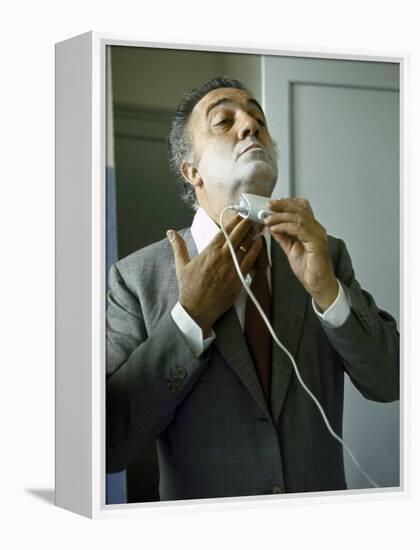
(179, 142)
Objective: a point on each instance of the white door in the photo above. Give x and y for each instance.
(336, 124)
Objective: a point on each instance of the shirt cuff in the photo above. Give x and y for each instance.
(190, 330)
(337, 313)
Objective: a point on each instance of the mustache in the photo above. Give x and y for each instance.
(250, 144)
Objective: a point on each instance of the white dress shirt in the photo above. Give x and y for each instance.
(203, 230)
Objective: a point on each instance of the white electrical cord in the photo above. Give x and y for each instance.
(286, 351)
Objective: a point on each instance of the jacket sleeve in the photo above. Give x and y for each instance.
(148, 375)
(368, 341)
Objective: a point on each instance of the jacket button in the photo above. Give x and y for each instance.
(181, 373)
(277, 490)
(171, 386)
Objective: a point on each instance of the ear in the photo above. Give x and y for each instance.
(191, 174)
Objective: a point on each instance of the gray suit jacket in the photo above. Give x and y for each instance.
(216, 435)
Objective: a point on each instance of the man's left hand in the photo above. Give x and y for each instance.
(304, 241)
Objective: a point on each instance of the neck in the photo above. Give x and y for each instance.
(214, 211)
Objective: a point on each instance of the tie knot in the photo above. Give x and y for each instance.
(262, 260)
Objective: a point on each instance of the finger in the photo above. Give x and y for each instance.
(179, 248)
(219, 239)
(306, 233)
(242, 231)
(290, 228)
(252, 254)
(280, 217)
(241, 251)
(243, 247)
(289, 205)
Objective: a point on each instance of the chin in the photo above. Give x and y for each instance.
(264, 189)
(259, 180)
(260, 186)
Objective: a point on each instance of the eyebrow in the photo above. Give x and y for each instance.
(226, 100)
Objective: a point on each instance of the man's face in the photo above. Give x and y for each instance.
(233, 150)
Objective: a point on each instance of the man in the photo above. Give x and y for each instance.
(183, 367)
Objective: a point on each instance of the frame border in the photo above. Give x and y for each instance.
(89, 500)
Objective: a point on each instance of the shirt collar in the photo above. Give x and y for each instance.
(204, 229)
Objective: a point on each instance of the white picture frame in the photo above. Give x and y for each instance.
(80, 274)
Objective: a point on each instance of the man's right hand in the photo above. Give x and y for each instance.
(208, 285)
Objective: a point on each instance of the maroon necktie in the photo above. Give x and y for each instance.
(256, 332)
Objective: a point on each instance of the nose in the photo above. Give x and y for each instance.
(248, 126)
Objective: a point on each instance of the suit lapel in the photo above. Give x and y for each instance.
(289, 300)
(231, 343)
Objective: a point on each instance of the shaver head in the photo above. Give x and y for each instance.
(253, 207)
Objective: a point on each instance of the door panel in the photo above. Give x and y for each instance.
(336, 124)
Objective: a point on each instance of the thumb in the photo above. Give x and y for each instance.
(179, 248)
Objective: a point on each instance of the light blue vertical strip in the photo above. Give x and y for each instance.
(116, 492)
